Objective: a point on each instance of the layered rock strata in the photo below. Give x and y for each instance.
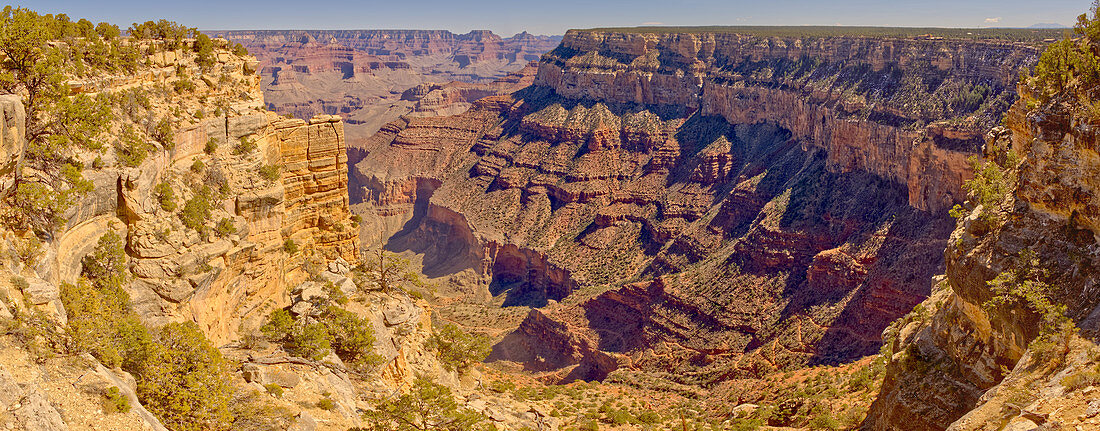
(727, 177)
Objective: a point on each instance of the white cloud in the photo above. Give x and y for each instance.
(653, 23)
(993, 20)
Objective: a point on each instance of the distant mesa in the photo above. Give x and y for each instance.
(1047, 25)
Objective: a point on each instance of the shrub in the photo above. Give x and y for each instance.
(824, 421)
(426, 406)
(163, 133)
(244, 146)
(269, 172)
(114, 401)
(131, 149)
(184, 381)
(20, 283)
(225, 227)
(196, 212)
(197, 166)
(992, 182)
(204, 51)
(351, 337)
(1080, 380)
(211, 146)
(278, 326)
(274, 389)
(105, 266)
(37, 206)
(165, 196)
(335, 294)
(290, 246)
(240, 50)
(326, 404)
(337, 330)
(28, 250)
(458, 350)
(310, 341)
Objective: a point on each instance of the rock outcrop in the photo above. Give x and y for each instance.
(726, 177)
(964, 364)
(12, 124)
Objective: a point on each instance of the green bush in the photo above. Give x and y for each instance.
(336, 330)
(326, 404)
(352, 337)
(278, 326)
(211, 146)
(20, 283)
(163, 133)
(274, 389)
(457, 349)
(426, 406)
(239, 50)
(244, 146)
(37, 206)
(992, 183)
(204, 51)
(131, 149)
(335, 294)
(290, 246)
(269, 172)
(105, 265)
(165, 196)
(196, 212)
(114, 401)
(183, 380)
(225, 227)
(198, 166)
(310, 341)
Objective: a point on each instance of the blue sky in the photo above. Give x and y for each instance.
(507, 17)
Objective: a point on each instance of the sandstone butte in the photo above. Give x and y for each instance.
(698, 206)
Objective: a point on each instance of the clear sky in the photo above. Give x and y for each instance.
(507, 17)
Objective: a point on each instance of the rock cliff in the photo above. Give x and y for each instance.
(726, 178)
(961, 363)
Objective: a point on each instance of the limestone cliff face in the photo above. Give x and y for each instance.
(977, 367)
(869, 116)
(229, 281)
(250, 272)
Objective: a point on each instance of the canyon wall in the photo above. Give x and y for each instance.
(707, 194)
(228, 281)
(964, 363)
(879, 127)
(365, 75)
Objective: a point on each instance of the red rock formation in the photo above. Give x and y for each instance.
(771, 220)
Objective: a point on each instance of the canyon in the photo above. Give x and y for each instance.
(620, 228)
(371, 77)
(696, 206)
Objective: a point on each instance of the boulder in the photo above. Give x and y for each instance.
(267, 375)
(41, 292)
(303, 422)
(400, 312)
(245, 125)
